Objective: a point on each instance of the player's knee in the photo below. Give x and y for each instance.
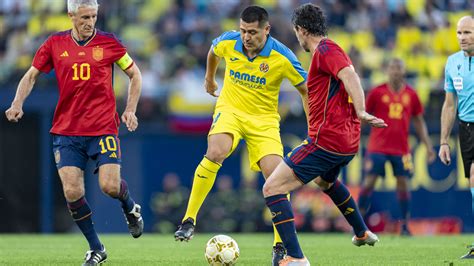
(266, 190)
(270, 190)
(72, 194)
(324, 185)
(402, 180)
(111, 188)
(369, 182)
(266, 170)
(216, 154)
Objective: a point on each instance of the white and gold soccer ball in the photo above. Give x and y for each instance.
(222, 250)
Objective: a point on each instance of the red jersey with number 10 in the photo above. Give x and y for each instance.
(396, 109)
(86, 105)
(333, 122)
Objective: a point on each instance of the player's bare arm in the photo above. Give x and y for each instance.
(303, 90)
(15, 112)
(353, 87)
(210, 83)
(134, 90)
(448, 115)
(420, 127)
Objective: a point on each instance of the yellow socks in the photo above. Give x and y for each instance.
(204, 178)
(277, 238)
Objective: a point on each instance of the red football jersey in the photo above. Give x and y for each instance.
(396, 109)
(86, 105)
(333, 122)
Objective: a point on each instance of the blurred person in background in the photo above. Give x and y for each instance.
(85, 123)
(459, 87)
(247, 108)
(169, 204)
(336, 107)
(222, 208)
(396, 103)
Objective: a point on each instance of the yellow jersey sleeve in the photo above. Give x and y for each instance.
(125, 62)
(218, 49)
(219, 44)
(293, 70)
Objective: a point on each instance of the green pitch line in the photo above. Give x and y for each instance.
(255, 249)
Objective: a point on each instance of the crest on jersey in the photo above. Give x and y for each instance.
(264, 67)
(97, 53)
(406, 99)
(385, 98)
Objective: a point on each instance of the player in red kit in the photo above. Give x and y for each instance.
(336, 106)
(397, 103)
(86, 122)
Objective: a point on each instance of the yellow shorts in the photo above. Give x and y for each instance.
(262, 135)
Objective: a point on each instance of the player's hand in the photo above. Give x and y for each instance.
(130, 120)
(14, 113)
(445, 154)
(371, 120)
(431, 155)
(211, 87)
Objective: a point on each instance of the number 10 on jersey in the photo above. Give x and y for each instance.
(82, 71)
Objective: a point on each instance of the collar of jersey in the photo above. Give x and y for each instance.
(265, 51)
(85, 42)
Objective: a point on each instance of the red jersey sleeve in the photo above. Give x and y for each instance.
(417, 107)
(43, 61)
(332, 58)
(117, 50)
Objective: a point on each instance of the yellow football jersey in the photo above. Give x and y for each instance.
(251, 86)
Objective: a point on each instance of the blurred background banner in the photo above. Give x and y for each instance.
(169, 41)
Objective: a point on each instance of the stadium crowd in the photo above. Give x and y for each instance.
(170, 40)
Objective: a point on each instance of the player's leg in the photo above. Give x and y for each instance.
(218, 148)
(72, 179)
(111, 184)
(275, 189)
(403, 169)
(404, 198)
(299, 167)
(105, 150)
(71, 159)
(466, 141)
(343, 199)
(265, 150)
(470, 254)
(365, 196)
(223, 138)
(374, 167)
(268, 164)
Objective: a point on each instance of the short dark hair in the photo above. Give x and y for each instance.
(311, 18)
(255, 13)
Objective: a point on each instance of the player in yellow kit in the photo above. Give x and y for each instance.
(247, 107)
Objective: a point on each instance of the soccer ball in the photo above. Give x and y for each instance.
(221, 250)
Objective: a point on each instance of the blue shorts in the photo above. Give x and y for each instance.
(76, 150)
(309, 161)
(401, 165)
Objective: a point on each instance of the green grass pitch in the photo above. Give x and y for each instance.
(153, 249)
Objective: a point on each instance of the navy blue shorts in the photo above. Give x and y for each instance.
(309, 161)
(401, 165)
(76, 150)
